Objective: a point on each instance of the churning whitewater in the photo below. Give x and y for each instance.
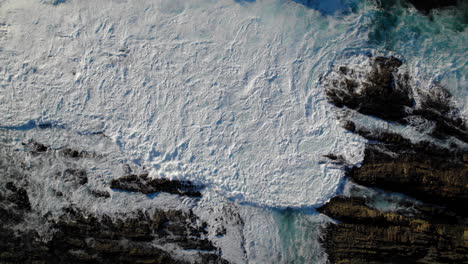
(218, 92)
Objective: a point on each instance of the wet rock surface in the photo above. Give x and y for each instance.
(144, 184)
(431, 231)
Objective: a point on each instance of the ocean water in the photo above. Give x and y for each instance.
(220, 92)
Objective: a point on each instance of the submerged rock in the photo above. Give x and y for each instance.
(144, 184)
(100, 193)
(424, 6)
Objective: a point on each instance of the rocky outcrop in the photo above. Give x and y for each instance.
(366, 235)
(144, 184)
(385, 92)
(433, 230)
(382, 94)
(417, 174)
(422, 170)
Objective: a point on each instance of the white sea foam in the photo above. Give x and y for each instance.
(217, 92)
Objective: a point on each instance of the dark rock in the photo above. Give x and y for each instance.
(99, 193)
(73, 153)
(386, 94)
(212, 259)
(349, 125)
(18, 196)
(366, 235)
(336, 159)
(36, 147)
(80, 237)
(424, 171)
(101, 238)
(79, 176)
(331, 156)
(142, 183)
(427, 5)
(22, 247)
(430, 231)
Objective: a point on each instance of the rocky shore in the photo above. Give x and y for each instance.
(73, 233)
(433, 171)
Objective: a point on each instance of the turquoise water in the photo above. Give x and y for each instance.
(299, 231)
(435, 44)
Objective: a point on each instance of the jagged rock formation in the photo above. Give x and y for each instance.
(142, 183)
(431, 232)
